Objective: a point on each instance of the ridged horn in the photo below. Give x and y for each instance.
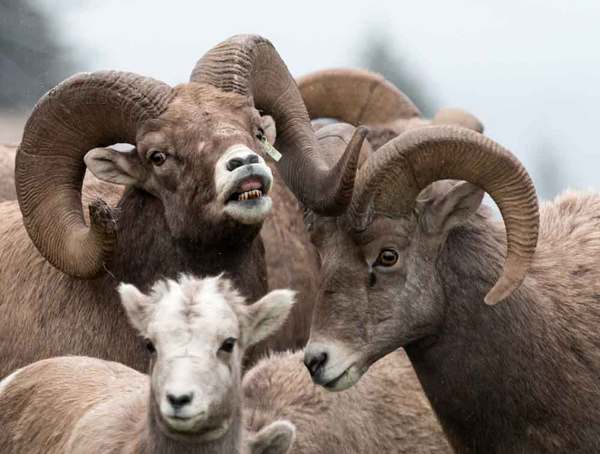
(392, 178)
(355, 96)
(250, 65)
(85, 111)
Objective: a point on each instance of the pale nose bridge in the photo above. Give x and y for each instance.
(182, 377)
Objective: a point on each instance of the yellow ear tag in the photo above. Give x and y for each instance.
(271, 150)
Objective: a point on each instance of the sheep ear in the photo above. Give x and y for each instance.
(268, 125)
(444, 207)
(136, 306)
(118, 167)
(267, 315)
(276, 438)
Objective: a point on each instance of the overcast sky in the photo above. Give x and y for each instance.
(529, 69)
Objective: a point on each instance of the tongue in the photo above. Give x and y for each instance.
(250, 184)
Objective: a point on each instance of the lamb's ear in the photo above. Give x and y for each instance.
(268, 125)
(276, 438)
(447, 206)
(136, 306)
(267, 315)
(119, 167)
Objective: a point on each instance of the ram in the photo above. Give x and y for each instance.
(196, 197)
(410, 265)
(189, 403)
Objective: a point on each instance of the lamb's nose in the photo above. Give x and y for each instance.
(238, 161)
(179, 401)
(315, 362)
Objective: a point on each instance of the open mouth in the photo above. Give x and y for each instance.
(250, 188)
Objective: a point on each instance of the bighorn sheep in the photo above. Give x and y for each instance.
(104, 405)
(405, 268)
(195, 154)
(196, 331)
(376, 416)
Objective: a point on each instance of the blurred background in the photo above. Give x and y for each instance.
(529, 69)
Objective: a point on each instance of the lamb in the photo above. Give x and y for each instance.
(196, 331)
(107, 407)
(376, 416)
(197, 193)
(412, 268)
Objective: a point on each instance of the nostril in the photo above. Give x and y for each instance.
(315, 363)
(234, 163)
(180, 400)
(252, 159)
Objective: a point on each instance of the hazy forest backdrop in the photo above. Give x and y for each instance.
(527, 68)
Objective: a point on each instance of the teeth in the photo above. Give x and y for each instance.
(250, 195)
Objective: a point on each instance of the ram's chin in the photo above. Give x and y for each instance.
(347, 379)
(253, 211)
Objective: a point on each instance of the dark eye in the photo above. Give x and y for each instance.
(228, 345)
(150, 346)
(260, 134)
(387, 257)
(158, 158)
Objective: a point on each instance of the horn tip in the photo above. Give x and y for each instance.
(502, 290)
(361, 131)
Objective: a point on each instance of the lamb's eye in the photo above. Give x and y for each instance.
(228, 345)
(150, 346)
(386, 258)
(260, 134)
(158, 158)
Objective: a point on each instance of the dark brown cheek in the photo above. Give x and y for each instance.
(165, 178)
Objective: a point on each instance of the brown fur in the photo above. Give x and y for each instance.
(159, 236)
(7, 172)
(376, 416)
(518, 377)
(77, 404)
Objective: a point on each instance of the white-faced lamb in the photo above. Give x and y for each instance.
(196, 331)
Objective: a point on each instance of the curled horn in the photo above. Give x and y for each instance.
(250, 65)
(83, 112)
(354, 96)
(392, 178)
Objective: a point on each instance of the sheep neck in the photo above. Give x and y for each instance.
(146, 250)
(516, 377)
(148, 438)
(151, 440)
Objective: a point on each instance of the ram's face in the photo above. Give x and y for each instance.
(376, 295)
(203, 160)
